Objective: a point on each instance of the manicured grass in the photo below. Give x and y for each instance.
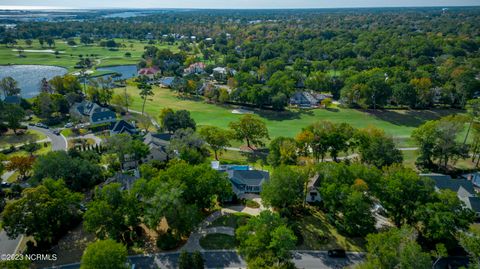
(218, 241)
(70, 55)
(251, 204)
(319, 234)
(398, 123)
(41, 151)
(231, 220)
(9, 139)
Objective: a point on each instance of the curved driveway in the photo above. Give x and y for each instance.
(58, 141)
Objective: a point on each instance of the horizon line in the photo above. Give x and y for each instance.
(53, 8)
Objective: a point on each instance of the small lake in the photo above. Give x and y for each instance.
(127, 71)
(30, 76)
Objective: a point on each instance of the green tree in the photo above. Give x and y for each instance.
(403, 192)
(217, 138)
(113, 213)
(282, 150)
(395, 248)
(173, 121)
(285, 189)
(440, 219)
(9, 86)
(266, 241)
(470, 241)
(104, 254)
(251, 129)
(145, 91)
(376, 148)
(13, 115)
(185, 260)
(197, 260)
(44, 212)
(438, 140)
(78, 173)
(189, 146)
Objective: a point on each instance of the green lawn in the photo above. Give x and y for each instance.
(319, 234)
(9, 139)
(231, 220)
(398, 123)
(41, 151)
(218, 241)
(69, 55)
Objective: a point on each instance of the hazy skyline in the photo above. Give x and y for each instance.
(35, 4)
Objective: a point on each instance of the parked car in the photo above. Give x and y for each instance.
(56, 131)
(41, 125)
(68, 125)
(337, 253)
(6, 185)
(31, 124)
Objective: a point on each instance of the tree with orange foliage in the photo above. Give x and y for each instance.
(22, 164)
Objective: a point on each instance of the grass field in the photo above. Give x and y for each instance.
(398, 123)
(11, 139)
(231, 220)
(319, 234)
(218, 241)
(69, 55)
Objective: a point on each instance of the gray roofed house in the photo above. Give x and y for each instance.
(308, 99)
(157, 143)
(243, 178)
(463, 187)
(92, 112)
(313, 195)
(121, 127)
(167, 82)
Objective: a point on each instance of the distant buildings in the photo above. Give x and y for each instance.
(308, 99)
(167, 82)
(243, 178)
(195, 68)
(150, 72)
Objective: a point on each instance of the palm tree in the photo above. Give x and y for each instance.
(473, 111)
(145, 91)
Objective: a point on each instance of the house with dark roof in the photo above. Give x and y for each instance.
(122, 127)
(13, 99)
(244, 179)
(313, 194)
(463, 187)
(157, 143)
(308, 99)
(93, 113)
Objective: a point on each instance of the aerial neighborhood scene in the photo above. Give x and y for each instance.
(282, 134)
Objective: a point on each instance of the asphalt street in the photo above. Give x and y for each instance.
(58, 141)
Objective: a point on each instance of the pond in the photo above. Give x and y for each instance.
(127, 71)
(30, 76)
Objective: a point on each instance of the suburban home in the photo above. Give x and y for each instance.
(195, 68)
(13, 100)
(222, 72)
(149, 72)
(149, 36)
(463, 187)
(312, 193)
(167, 82)
(122, 127)
(475, 178)
(93, 113)
(157, 143)
(126, 180)
(308, 99)
(244, 179)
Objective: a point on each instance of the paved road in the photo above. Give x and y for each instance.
(7, 245)
(58, 141)
(231, 259)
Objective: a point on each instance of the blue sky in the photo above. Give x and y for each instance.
(232, 3)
